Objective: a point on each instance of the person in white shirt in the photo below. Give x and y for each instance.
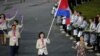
(92, 35)
(74, 17)
(18, 28)
(58, 20)
(80, 19)
(64, 24)
(3, 26)
(84, 24)
(79, 23)
(82, 27)
(86, 33)
(13, 36)
(41, 44)
(76, 25)
(98, 37)
(54, 8)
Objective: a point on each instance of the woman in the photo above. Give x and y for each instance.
(3, 25)
(98, 38)
(41, 44)
(81, 47)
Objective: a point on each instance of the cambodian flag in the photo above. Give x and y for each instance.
(64, 10)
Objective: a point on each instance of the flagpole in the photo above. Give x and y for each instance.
(53, 20)
(51, 27)
(22, 24)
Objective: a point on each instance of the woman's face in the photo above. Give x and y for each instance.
(75, 12)
(42, 36)
(78, 14)
(13, 27)
(98, 15)
(15, 23)
(81, 38)
(2, 16)
(90, 20)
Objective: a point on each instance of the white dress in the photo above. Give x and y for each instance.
(42, 50)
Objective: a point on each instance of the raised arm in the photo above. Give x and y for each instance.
(9, 26)
(9, 19)
(21, 25)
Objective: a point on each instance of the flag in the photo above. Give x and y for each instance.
(63, 10)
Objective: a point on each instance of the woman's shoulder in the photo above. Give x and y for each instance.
(38, 39)
(77, 43)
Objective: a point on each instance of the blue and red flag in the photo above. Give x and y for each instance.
(64, 10)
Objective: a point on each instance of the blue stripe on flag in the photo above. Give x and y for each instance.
(62, 12)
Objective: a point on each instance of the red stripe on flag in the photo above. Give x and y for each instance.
(64, 4)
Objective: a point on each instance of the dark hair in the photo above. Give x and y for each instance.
(13, 25)
(16, 21)
(96, 20)
(74, 11)
(41, 33)
(84, 18)
(80, 13)
(3, 16)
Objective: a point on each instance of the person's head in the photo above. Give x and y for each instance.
(99, 19)
(2, 16)
(13, 27)
(79, 13)
(98, 15)
(16, 22)
(91, 20)
(82, 38)
(56, 5)
(41, 35)
(75, 12)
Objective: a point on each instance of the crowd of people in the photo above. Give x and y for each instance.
(13, 34)
(81, 29)
(85, 32)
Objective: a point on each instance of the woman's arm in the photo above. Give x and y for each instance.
(38, 45)
(9, 19)
(9, 26)
(48, 40)
(76, 45)
(87, 46)
(20, 26)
